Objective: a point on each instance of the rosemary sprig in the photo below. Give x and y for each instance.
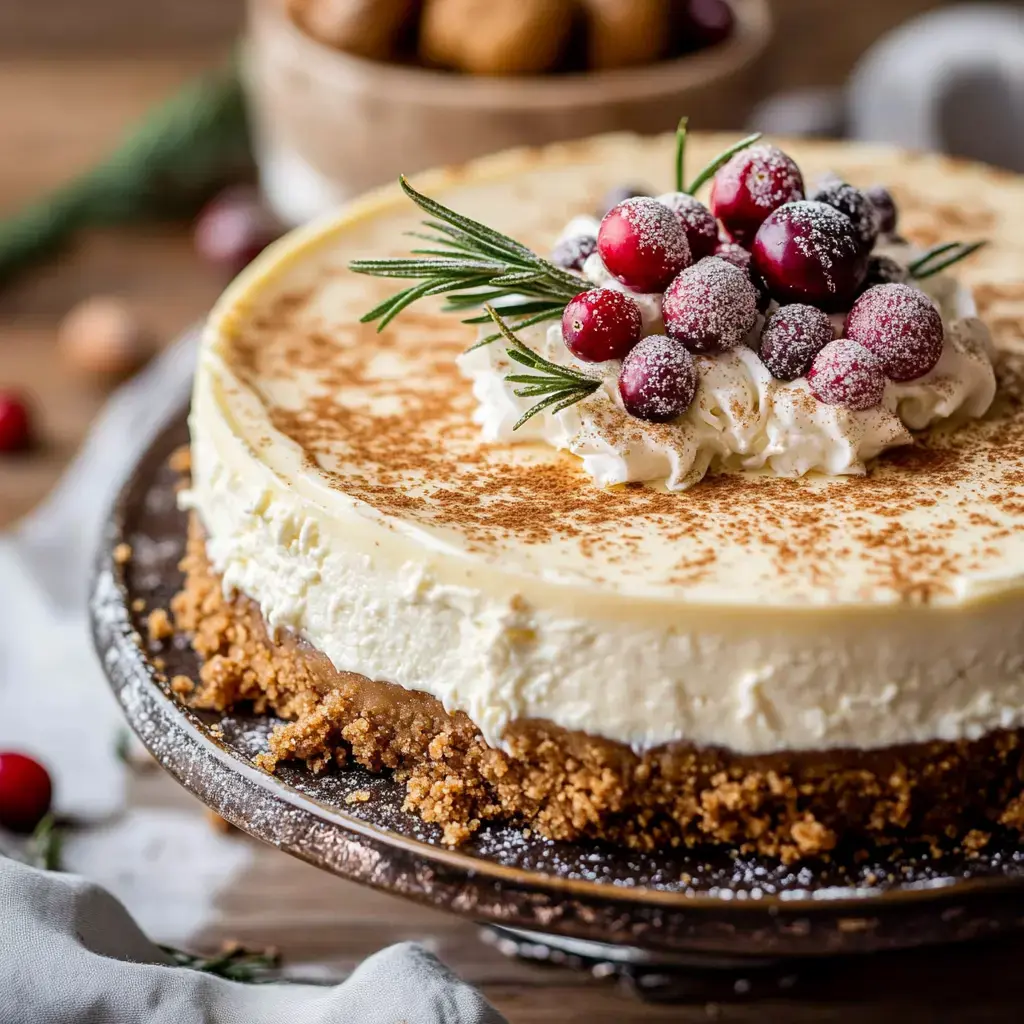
(556, 386)
(470, 263)
(940, 257)
(681, 154)
(720, 161)
(46, 845)
(235, 963)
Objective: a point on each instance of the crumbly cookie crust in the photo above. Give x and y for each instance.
(569, 785)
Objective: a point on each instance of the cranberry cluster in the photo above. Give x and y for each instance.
(759, 241)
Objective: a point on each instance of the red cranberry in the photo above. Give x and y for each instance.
(792, 337)
(886, 207)
(734, 254)
(642, 244)
(620, 195)
(703, 23)
(15, 423)
(696, 220)
(901, 326)
(234, 228)
(852, 203)
(658, 380)
(25, 792)
(710, 307)
(572, 253)
(809, 252)
(756, 181)
(601, 324)
(885, 270)
(846, 373)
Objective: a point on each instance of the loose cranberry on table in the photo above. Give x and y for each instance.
(845, 373)
(601, 324)
(15, 423)
(658, 380)
(234, 228)
(710, 306)
(25, 792)
(642, 244)
(885, 206)
(756, 181)
(852, 203)
(792, 337)
(696, 220)
(809, 252)
(572, 253)
(901, 326)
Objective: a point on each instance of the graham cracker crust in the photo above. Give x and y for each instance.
(569, 785)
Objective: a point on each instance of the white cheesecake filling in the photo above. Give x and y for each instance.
(390, 602)
(742, 418)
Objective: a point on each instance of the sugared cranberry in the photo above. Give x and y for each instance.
(710, 307)
(572, 253)
(15, 423)
(846, 373)
(620, 194)
(734, 254)
(234, 228)
(703, 23)
(658, 380)
(25, 792)
(756, 181)
(809, 252)
(901, 326)
(852, 203)
(884, 270)
(601, 324)
(642, 244)
(885, 205)
(792, 337)
(696, 220)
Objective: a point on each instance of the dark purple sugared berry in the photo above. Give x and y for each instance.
(852, 203)
(710, 307)
(571, 253)
(618, 195)
(901, 326)
(234, 228)
(845, 373)
(734, 254)
(809, 252)
(792, 337)
(884, 270)
(601, 324)
(756, 181)
(658, 380)
(885, 205)
(696, 220)
(642, 244)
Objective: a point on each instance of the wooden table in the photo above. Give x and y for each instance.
(56, 117)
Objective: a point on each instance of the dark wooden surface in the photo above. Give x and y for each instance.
(72, 75)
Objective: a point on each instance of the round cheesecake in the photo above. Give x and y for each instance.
(784, 664)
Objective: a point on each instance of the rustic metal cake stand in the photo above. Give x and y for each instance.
(744, 923)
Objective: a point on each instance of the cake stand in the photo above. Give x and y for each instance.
(745, 923)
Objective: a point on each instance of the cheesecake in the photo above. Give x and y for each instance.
(777, 609)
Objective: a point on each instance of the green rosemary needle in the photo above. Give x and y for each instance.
(473, 265)
(556, 386)
(941, 257)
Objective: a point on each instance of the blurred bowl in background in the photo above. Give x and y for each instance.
(329, 125)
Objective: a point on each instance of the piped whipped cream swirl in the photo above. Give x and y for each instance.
(742, 418)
